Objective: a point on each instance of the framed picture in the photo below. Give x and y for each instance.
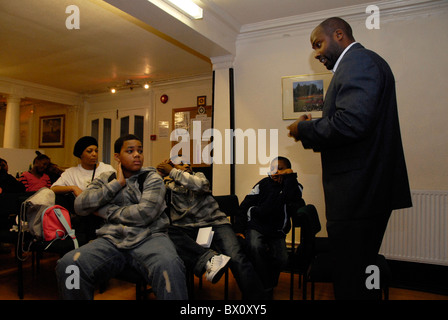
(202, 101)
(51, 131)
(304, 94)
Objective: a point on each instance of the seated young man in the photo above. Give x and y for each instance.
(134, 233)
(263, 220)
(192, 207)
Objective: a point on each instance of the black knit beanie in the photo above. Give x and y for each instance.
(82, 144)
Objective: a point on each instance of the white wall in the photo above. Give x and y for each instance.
(415, 47)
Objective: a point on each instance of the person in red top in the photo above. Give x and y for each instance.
(36, 178)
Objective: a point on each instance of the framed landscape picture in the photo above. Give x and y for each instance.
(304, 94)
(51, 131)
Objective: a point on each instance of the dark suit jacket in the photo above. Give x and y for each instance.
(363, 165)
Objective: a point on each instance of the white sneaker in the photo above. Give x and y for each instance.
(216, 267)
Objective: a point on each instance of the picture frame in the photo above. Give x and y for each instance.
(51, 131)
(201, 101)
(304, 94)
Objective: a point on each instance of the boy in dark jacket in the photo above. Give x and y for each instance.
(263, 220)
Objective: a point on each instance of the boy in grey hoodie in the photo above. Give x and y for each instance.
(134, 232)
(191, 207)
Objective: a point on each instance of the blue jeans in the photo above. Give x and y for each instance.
(269, 256)
(155, 259)
(195, 257)
(225, 242)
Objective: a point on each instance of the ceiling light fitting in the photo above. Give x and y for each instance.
(129, 85)
(187, 7)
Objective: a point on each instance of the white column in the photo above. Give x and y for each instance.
(11, 137)
(221, 122)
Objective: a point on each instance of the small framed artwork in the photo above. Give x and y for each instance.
(202, 101)
(304, 94)
(51, 131)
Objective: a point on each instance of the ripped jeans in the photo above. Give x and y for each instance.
(155, 259)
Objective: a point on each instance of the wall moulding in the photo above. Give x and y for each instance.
(390, 10)
(223, 62)
(39, 92)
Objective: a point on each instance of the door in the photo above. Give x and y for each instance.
(107, 126)
(102, 126)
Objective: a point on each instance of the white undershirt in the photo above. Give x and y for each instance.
(80, 177)
(342, 54)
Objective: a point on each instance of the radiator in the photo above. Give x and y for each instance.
(419, 234)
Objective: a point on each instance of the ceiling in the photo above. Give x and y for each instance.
(138, 41)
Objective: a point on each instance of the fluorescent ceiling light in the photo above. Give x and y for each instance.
(188, 7)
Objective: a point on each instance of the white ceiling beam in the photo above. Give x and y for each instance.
(209, 36)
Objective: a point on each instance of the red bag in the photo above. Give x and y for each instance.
(56, 224)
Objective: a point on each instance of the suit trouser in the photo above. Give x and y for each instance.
(355, 245)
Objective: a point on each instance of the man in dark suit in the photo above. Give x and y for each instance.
(363, 167)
